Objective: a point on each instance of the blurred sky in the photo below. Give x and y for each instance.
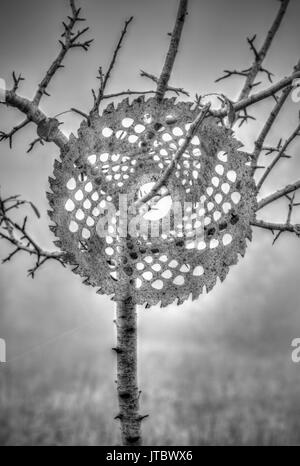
(262, 291)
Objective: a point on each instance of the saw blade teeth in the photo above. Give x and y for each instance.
(223, 274)
(51, 199)
(242, 249)
(57, 165)
(195, 293)
(163, 301)
(123, 105)
(180, 300)
(53, 229)
(172, 100)
(54, 184)
(109, 109)
(72, 139)
(210, 285)
(141, 100)
(249, 233)
(83, 126)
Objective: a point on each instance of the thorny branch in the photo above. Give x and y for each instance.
(259, 96)
(283, 227)
(239, 111)
(18, 236)
(33, 144)
(278, 194)
(281, 153)
(171, 167)
(128, 92)
(280, 101)
(9, 136)
(177, 90)
(163, 80)
(70, 39)
(259, 56)
(103, 78)
(280, 227)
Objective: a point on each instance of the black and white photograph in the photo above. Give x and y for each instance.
(150, 225)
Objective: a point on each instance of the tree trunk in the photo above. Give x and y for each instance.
(128, 393)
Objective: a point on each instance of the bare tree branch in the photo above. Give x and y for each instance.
(69, 40)
(284, 227)
(281, 154)
(17, 80)
(229, 73)
(272, 117)
(177, 90)
(260, 55)
(259, 96)
(104, 78)
(128, 92)
(278, 194)
(243, 117)
(279, 227)
(35, 115)
(17, 235)
(9, 136)
(163, 80)
(33, 143)
(172, 166)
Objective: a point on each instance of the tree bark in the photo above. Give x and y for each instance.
(127, 385)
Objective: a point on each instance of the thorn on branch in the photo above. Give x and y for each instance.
(229, 73)
(251, 41)
(268, 73)
(176, 90)
(17, 80)
(9, 136)
(104, 78)
(18, 235)
(244, 117)
(33, 143)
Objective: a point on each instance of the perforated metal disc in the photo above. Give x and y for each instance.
(125, 151)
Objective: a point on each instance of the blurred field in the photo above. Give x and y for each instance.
(209, 376)
(194, 397)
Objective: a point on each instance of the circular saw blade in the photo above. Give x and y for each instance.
(116, 158)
